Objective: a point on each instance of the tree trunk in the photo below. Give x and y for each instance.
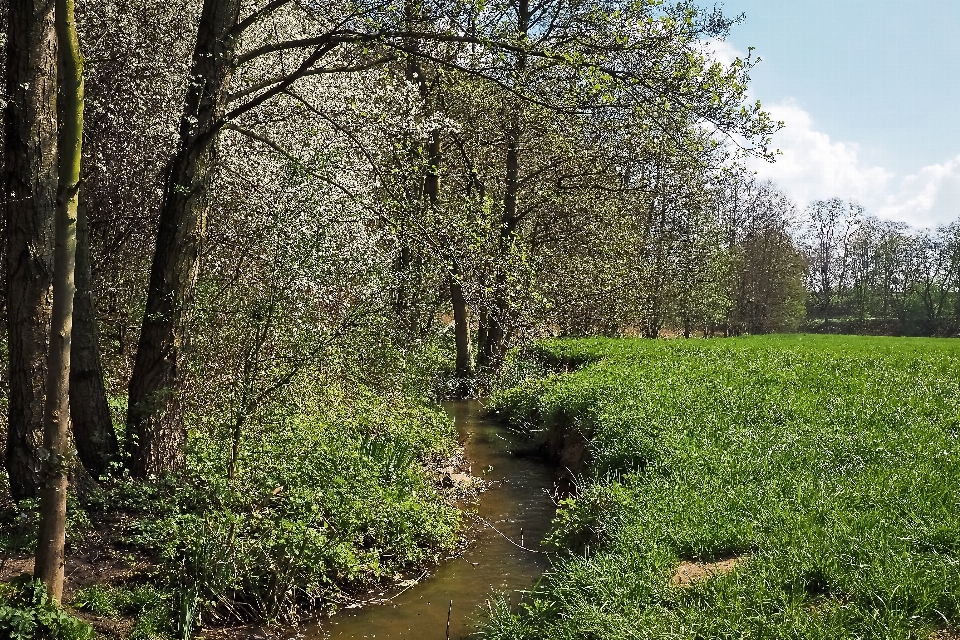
(483, 344)
(56, 429)
(93, 430)
(461, 328)
(155, 431)
(402, 300)
(495, 346)
(30, 158)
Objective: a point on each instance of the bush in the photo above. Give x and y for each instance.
(332, 494)
(28, 613)
(148, 605)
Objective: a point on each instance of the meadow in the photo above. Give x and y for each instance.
(759, 487)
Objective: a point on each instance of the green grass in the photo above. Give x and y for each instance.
(830, 465)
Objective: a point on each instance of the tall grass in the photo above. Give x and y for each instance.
(828, 466)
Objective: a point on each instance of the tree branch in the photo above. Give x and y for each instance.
(281, 86)
(244, 24)
(312, 72)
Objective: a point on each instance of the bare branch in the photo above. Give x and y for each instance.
(335, 37)
(313, 72)
(304, 67)
(247, 22)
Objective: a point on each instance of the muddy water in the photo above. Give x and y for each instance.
(515, 500)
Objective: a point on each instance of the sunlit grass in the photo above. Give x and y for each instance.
(829, 465)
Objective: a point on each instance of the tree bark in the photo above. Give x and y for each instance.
(461, 328)
(155, 430)
(30, 157)
(55, 456)
(93, 430)
(483, 343)
(495, 344)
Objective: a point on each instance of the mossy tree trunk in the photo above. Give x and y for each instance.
(55, 458)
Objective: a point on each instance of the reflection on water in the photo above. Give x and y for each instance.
(516, 500)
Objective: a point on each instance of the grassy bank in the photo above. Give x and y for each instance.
(334, 496)
(765, 487)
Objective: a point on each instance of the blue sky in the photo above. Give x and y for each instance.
(870, 93)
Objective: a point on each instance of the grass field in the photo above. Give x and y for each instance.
(765, 487)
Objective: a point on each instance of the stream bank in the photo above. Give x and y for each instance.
(516, 501)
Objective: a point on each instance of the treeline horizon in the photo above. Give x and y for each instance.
(828, 268)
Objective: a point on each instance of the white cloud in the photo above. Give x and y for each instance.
(722, 51)
(812, 166)
(926, 198)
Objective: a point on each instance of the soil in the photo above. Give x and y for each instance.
(689, 572)
(86, 566)
(83, 569)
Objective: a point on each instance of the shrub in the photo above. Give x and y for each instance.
(28, 613)
(332, 494)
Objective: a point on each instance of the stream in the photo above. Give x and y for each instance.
(515, 499)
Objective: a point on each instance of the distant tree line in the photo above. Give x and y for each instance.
(710, 256)
(741, 258)
(876, 276)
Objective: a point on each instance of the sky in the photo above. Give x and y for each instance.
(869, 91)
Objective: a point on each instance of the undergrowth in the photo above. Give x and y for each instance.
(28, 613)
(332, 495)
(829, 467)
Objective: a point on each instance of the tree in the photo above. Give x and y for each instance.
(830, 228)
(155, 434)
(30, 161)
(30, 189)
(93, 431)
(154, 429)
(766, 268)
(55, 457)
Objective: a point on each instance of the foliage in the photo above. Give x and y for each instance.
(18, 524)
(332, 494)
(826, 466)
(876, 276)
(28, 613)
(146, 603)
(113, 601)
